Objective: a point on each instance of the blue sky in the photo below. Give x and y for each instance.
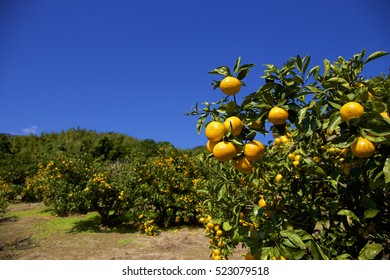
(136, 67)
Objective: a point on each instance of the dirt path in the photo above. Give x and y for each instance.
(27, 238)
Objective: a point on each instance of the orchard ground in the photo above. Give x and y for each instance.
(32, 232)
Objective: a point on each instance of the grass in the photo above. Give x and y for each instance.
(50, 224)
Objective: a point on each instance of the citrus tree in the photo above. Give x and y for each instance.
(320, 189)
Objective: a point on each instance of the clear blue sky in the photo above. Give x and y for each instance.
(136, 67)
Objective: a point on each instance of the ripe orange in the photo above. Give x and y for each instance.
(351, 110)
(277, 141)
(244, 165)
(363, 148)
(284, 139)
(215, 131)
(291, 157)
(216, 252)
(230, 85)
(278, 178)
(210, 146)
(254, 150)
(277, 115)
(235, 123)
(262, 203)
(224, 151)
(219, 233)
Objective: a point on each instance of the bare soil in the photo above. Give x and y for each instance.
(28, 238)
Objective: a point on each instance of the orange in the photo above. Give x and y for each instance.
(291, 157)
(210, 225)
(316, 159)
(202, 220)
(235, 123)
(278, 178)
(254, 150)
(351, 110)
(296, 163)
(210, 146)
(224, 151)
(363, 148)
(277, 141)
(262, 203)
(219, 233)
(215, 131)
(230, 85)
(277, 115)
(284, 139)
(216, 252)
(244, 165)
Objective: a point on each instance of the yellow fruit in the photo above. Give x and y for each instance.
(210, 226)
(284, 139)
(351, 110)
(363, 148)
(224, 151)
(278, 178)
(230, 85)
(216, 252)
(221, 244)
(385, 115)
(277, 115)
(262, 203)
(282, 258)
(253, 150)
(316, 159)
(219, 233)
(202, 220)
(215, 131)
(235, 123)
(249, 256)
(210, 146)
(297, 158)
(291, 157)
(296, 163)
(244, 165)
(277, 142)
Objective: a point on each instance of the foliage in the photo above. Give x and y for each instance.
(330, 203)
(168, 192)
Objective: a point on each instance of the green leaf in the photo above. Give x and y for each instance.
(370, 213)
(316, 250)
(222, 192)
(226, 226)
(294, 238)
(370, 251)
(237, 65)
(376, 55)
(222, 70)
(348, 213)
(342, 82)
(386, 170)
(334, 122)
(344, 257)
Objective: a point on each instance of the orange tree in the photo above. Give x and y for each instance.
(320, 190)
(167, 192)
